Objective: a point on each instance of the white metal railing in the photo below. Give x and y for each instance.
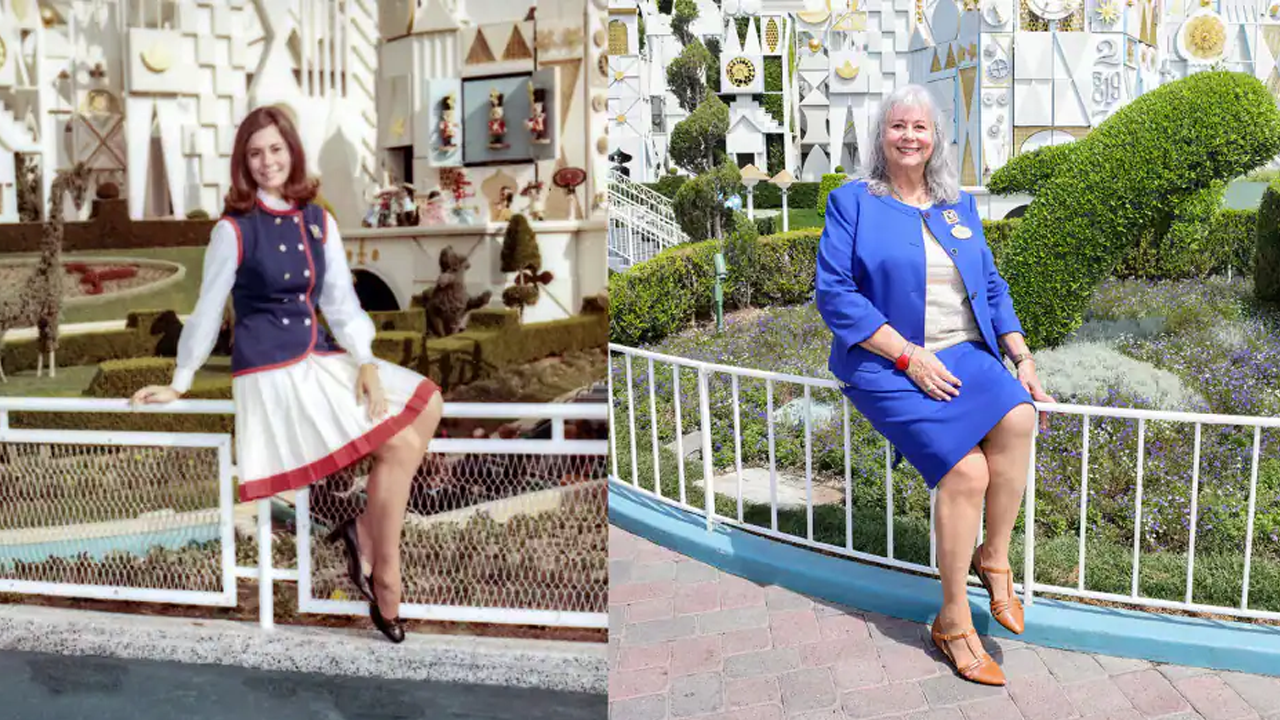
(67, 457)
(1028, 587)
(641, 223)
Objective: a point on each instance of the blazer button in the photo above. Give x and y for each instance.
(285, 321)
(973, 296)
(953, 251)
(302, 298)
(286, 276)
(306, 273)
(299, 247)
(277, 221)
(283, 248)
(307, 322)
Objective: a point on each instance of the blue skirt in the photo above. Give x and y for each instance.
(934, 435)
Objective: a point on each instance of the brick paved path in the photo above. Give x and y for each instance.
(688, 641)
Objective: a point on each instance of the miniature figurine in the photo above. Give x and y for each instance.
(537, 122)
(461, 191)
(448, 128)
(537, 206)
(433, 212)
(502, 208)
(497, 125)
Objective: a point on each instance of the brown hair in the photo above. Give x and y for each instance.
(298, 189)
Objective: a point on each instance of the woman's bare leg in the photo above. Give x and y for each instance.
(1008, 451)
(389, 489)
(957, 514)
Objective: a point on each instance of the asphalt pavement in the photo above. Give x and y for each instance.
(37, 686)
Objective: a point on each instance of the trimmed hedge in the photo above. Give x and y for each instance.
(1094, 201)
(664, 295)
(1267, 273)
(830, 181)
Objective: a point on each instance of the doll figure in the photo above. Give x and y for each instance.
(432, 211)
(502, 208)
(537, 122)
(536, 209)
(497, 125)
(448, 128)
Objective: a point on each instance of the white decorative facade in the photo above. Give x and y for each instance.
(150, 92)
(1011, 75)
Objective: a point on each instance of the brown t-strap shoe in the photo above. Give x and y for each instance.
(982, 670)
(1006, 612)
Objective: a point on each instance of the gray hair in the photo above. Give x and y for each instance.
(941, 175)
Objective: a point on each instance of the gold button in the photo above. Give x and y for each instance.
(306, 273)
(283, 248)
(299, 247)
(286, 276)
(295, 219)
(277, 221)
(302, 298)
(307, 322)
(286, 321)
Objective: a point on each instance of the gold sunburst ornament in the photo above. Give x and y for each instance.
(740, 71)
(1203, 37)
(1109, 11)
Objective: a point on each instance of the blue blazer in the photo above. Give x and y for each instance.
(871, 271)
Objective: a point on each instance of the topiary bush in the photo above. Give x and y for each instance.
(1095, 196)
(1266, 278)
(520, 255)
(665, 294)
(830, 181)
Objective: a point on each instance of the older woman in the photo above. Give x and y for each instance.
(919, 313)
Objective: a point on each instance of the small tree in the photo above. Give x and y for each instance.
(686, 11)
(520, 255)
(686, 75)
(699, 204)
(697, 142)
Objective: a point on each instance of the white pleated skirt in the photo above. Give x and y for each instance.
(300, 423)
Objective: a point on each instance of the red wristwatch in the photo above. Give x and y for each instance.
(904, 360)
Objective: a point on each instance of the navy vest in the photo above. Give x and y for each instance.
(278, 282)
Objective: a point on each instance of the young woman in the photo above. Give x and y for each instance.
(306, 406)
(919, 316)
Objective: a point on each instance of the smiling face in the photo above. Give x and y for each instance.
(908, 137)
(268, 159)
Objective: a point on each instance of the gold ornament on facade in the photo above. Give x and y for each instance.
(1206, 37)
(815, 44)
(848, 71)
(602, 145)
(156, 58)
(598, 38)
(771, 35)
(740, 71)
(1109, 11)
(598, 103)
(571, 38)
(546, 39)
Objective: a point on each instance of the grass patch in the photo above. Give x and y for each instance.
(180, 296)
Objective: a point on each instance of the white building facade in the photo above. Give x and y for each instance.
(1011, 75)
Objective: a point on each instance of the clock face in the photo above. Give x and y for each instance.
(740, 71)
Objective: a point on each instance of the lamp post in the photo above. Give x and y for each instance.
(750, 176)
(783, 180)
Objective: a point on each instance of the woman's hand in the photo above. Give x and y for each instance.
(369, 387)
(1027, 376)
(928, 372)
(155, 395)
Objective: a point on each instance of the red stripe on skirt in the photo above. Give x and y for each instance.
(346, 455)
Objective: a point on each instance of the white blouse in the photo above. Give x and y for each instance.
(351, 325)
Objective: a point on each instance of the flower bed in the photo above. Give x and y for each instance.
(1186, 345)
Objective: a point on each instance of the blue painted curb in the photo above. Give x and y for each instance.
(1216, 644)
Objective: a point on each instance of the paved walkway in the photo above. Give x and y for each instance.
(689, 641)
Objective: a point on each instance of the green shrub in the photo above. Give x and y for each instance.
(998, 233)
(799, 195)
(830, 181)
(1094, 200)
(1266, 283)
(664, 295)
(742, 261)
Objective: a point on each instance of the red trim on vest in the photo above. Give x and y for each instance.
(348, 454)
(239, 239)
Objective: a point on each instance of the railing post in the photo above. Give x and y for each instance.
(1029, 522)
(704, 401)
(266, 577)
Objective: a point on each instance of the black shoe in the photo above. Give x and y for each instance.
(347, 533)
(393, 629)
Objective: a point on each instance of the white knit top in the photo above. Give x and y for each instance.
(948, 314)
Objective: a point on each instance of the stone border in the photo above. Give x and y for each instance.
(1216, 644)
(558, 666)
(179, 274)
